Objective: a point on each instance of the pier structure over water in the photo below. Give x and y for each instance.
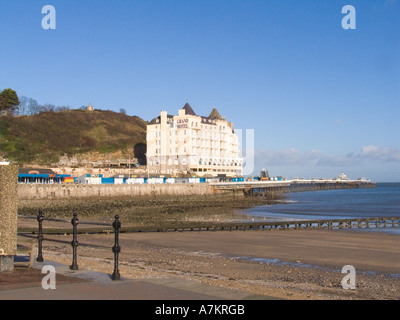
(277, 189)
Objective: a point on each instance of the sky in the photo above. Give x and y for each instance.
(320, 99)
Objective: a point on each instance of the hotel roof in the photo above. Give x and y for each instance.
(188, 109)
(214, 115)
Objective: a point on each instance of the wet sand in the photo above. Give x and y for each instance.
(308, 267)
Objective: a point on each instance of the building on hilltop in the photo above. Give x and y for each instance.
(193, 144)
(89, 107)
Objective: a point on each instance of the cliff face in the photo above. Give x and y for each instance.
(48, 137)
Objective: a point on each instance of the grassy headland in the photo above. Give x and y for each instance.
(43, 138)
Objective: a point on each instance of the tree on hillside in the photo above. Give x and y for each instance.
(29, 106)
(8, 101)
(23, 105)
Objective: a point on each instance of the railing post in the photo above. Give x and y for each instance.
(74, 242)
(116, 249)
(40, 236)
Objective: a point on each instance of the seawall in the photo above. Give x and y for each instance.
(80, 191)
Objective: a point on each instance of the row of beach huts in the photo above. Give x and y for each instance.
(48, 176)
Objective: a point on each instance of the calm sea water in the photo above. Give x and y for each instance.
(382, 201)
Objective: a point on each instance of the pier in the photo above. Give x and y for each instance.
(277, 189)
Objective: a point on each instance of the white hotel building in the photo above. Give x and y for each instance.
(193, 145)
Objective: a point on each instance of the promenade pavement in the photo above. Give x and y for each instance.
(89, 285)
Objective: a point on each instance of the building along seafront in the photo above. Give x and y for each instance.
(193, 145)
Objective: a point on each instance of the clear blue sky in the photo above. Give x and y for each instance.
(321, 100)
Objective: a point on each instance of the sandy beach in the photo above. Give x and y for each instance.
(250, 261)
(287, 264)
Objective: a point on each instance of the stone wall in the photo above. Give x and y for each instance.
(60, 191)
(8, 216)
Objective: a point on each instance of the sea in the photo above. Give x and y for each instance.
(381, 201)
